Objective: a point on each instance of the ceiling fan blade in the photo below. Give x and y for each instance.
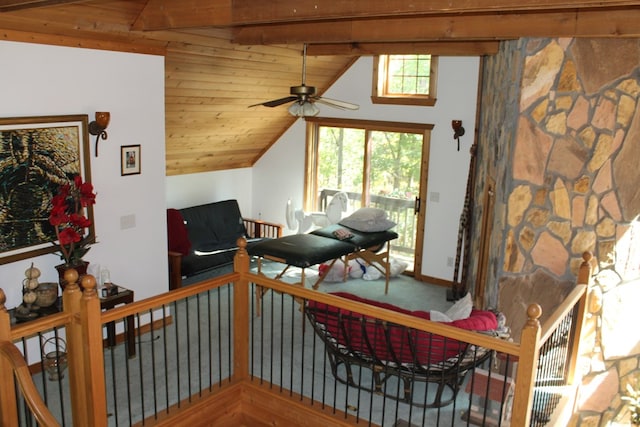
(337, 104)
(276, 102)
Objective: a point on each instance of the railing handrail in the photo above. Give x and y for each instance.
(138, 307)
(561, 312)
(375, 198)
(31, 328)
(29, 391)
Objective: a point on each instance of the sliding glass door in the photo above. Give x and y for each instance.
(378, 164)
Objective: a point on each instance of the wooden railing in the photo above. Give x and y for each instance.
(84, 322)
(14, 365)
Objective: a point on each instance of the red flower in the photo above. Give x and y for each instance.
(87, 196)
(68, 236)
(58, 216)
(80, 220)
(67, 217)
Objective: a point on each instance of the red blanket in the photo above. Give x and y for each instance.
(394, 343)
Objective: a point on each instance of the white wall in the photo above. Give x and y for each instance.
(41, 80)
(200, 188)
(279, 175)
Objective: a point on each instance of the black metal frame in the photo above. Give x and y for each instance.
(363, 353)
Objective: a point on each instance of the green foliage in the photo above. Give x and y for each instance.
(633, 397)
(409, 74)
(394, 161)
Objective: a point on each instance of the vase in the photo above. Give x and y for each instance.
(80, 268)
(46, 294)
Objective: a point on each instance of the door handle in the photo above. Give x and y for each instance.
(416, 206)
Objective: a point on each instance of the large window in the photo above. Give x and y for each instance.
(404, 79)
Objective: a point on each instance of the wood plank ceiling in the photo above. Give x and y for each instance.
(223, 55)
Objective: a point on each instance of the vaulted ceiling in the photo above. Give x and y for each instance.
(223, 55)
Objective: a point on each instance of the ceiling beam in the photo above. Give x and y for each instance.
(149, 47)
(249, 12)
(449, 48)
(9, 5)
(173, 14)
(168, 14)
(583, 23)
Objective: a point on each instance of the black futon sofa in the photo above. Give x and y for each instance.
(202, 239)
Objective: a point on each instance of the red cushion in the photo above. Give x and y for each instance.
(385, 342)
(177, 234)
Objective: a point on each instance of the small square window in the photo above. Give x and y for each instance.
(404, 79)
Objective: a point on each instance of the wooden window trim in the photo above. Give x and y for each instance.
(377, 97)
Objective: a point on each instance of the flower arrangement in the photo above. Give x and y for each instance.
(68, 219)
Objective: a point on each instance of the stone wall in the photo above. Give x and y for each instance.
(563, 149)
(496, 131)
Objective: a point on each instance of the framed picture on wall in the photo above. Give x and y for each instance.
(38, 156)
(130, 160)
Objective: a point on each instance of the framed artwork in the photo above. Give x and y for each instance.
(37, 156)
(129, 160)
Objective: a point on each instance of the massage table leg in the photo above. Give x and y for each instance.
(371, 257)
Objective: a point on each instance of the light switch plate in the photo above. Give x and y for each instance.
(127, 221)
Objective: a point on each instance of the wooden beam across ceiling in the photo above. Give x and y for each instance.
(581, 23)
(250, 12)
(8, 5)
(171, 14)
(449, 48)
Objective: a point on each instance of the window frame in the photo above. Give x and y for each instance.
(379, 95)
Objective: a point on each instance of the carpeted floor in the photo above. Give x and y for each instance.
(404, 291)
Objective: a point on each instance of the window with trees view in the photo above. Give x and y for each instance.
(404, 79)
(378, 164)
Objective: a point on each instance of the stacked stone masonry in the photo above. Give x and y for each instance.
(572, 185)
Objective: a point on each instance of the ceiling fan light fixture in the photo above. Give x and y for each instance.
(304, 109)
(304, 97)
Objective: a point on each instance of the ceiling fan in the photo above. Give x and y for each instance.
(305, 97)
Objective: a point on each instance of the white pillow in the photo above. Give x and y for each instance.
(461, 309)
(368, 220)
(369, 214)
(437, 316)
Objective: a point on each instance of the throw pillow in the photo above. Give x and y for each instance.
(461, 309)
(177, 235)
(437, 316)
(368, 220)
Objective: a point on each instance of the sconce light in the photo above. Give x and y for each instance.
(458, 130)
(98, 126)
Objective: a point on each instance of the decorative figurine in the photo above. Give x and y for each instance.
(28, 309)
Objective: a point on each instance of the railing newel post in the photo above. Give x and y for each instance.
(93, 354)
(8, 410)
(241, 312)
(75, 356)
(584, 278)
(527, 365)
(585, 270)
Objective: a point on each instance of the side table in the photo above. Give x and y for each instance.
(124, 296)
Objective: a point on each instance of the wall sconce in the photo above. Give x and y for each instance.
(98, 126)
(458, 130)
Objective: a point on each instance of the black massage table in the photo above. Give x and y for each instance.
(323, 245)
(371, 247)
